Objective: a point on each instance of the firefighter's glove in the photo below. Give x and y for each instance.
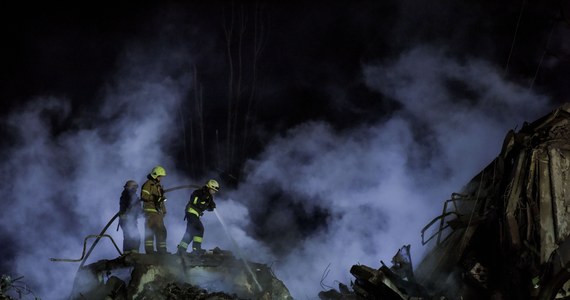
(212, 206)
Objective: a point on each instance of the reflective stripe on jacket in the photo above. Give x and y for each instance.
(151, 196)
(200, 200)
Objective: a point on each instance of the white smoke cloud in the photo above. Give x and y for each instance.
(63, 186)
(381, 184)
(377, 185)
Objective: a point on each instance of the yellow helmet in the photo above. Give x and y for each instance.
(212, 184)
(157, 171)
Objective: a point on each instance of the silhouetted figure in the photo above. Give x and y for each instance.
(129, 211)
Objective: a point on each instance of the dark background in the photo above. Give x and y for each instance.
(71, 50)
(283, 65)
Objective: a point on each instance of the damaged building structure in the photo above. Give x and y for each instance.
(505, 235)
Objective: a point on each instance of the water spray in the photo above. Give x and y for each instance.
(238, 250)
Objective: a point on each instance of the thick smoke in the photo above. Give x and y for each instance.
(316, 195)
(377, 186)
(65, 184)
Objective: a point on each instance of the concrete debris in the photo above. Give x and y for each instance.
(217, 274)
(396, 282)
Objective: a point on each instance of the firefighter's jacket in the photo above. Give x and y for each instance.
(200, 200)
(152, 196)
(129, 204)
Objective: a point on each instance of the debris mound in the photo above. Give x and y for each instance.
(216, 274)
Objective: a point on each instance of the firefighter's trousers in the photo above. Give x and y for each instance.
(194, 233)
(131, 236)
(154, 230)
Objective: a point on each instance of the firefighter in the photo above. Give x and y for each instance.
(152, 196)
(129, 211)
(201, 199)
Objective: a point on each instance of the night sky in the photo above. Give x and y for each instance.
(336, 129)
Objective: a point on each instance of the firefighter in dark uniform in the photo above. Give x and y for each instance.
(129, 211)
(152, 196)
(201, 199)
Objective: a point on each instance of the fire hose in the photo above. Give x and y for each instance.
(102, 234)
(84, 246)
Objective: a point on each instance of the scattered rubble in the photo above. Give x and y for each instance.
(9, 287)
(396, 282)
(344, 293)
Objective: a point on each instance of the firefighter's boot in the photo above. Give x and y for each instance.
(197, 245)
(197, 249)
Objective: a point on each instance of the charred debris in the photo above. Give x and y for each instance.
(10, 287)
(214, 275)
(505, 235)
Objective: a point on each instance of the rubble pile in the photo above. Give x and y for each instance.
(217, 274)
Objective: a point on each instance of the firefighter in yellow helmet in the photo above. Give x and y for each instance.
(201, 199)
(152, 196)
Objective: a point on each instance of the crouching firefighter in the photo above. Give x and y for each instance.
(201, 199)
(129, 211)
(152, 196)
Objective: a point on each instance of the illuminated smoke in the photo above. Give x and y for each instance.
(65, 184)
(376, 186)
(316, 195)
